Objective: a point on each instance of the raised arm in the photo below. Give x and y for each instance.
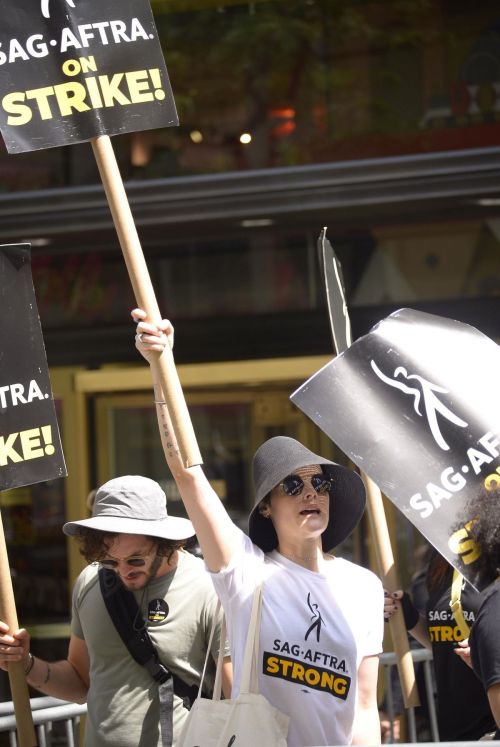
(214, 529)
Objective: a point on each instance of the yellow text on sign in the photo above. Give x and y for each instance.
(29, 444)
(95, 92)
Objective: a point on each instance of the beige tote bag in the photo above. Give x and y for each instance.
(246, 721)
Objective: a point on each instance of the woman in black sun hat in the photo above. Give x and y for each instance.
(321, 623)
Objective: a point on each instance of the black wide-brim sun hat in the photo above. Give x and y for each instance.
(281, 456)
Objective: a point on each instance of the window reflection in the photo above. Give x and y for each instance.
(33, 517)
(351, 80)
(433, 261)
(222, 433)
(267, 272)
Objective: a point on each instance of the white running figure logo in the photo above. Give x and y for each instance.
(431, 402)
(45, 7)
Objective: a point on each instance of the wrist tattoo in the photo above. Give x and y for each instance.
(47, 676)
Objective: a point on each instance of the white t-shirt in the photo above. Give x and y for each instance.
(315, 630)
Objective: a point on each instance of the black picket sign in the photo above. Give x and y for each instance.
(72, 70)
(30, 444)
(415, 405)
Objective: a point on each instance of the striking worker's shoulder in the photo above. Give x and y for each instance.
(89, 575)
(357, 574)
(86, 582)
(192, 570)
(490, 604)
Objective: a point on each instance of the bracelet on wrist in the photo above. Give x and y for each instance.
(29, 666)
(159, 402)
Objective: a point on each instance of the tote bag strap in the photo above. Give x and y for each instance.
(217, 692)
(249, 679)
(220, 658)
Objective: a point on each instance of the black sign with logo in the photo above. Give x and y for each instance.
(30, 445)
(71, 70)
(415, 405)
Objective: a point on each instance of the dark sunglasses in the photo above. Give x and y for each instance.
(112, 564)
(294, 485)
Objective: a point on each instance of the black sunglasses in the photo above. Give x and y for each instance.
(112, 564)
(294, 484)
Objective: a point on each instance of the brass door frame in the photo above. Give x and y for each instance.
(74, 428)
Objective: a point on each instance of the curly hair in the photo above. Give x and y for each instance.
(94, 544)
(438, 570)
(484, 513)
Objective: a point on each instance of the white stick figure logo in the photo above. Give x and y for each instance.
(45, 7)
(317, 620)
(431, 402)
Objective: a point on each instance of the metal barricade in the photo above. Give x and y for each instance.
(46, 712)
(421, 656)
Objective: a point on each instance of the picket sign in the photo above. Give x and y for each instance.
(31, 449)
(341, 333)
(144, 295)
(94, 92)
(102, 74)
(428, 429)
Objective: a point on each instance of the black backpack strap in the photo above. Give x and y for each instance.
(132, 629)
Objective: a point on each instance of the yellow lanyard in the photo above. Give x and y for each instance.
(456, 604)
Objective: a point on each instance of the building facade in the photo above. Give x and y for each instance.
(378, 120)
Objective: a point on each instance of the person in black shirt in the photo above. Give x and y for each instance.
(463, 711)
(484, 512)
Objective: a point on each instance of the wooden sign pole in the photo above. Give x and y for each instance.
(18, 686)
(144, 295)
(387, 571)
(342, 337)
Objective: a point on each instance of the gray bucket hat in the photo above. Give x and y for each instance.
(132, 505)
(278, 458)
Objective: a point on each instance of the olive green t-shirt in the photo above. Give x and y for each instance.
(122, 702)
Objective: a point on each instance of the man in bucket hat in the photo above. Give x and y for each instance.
(322, 616)
(130, 543)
